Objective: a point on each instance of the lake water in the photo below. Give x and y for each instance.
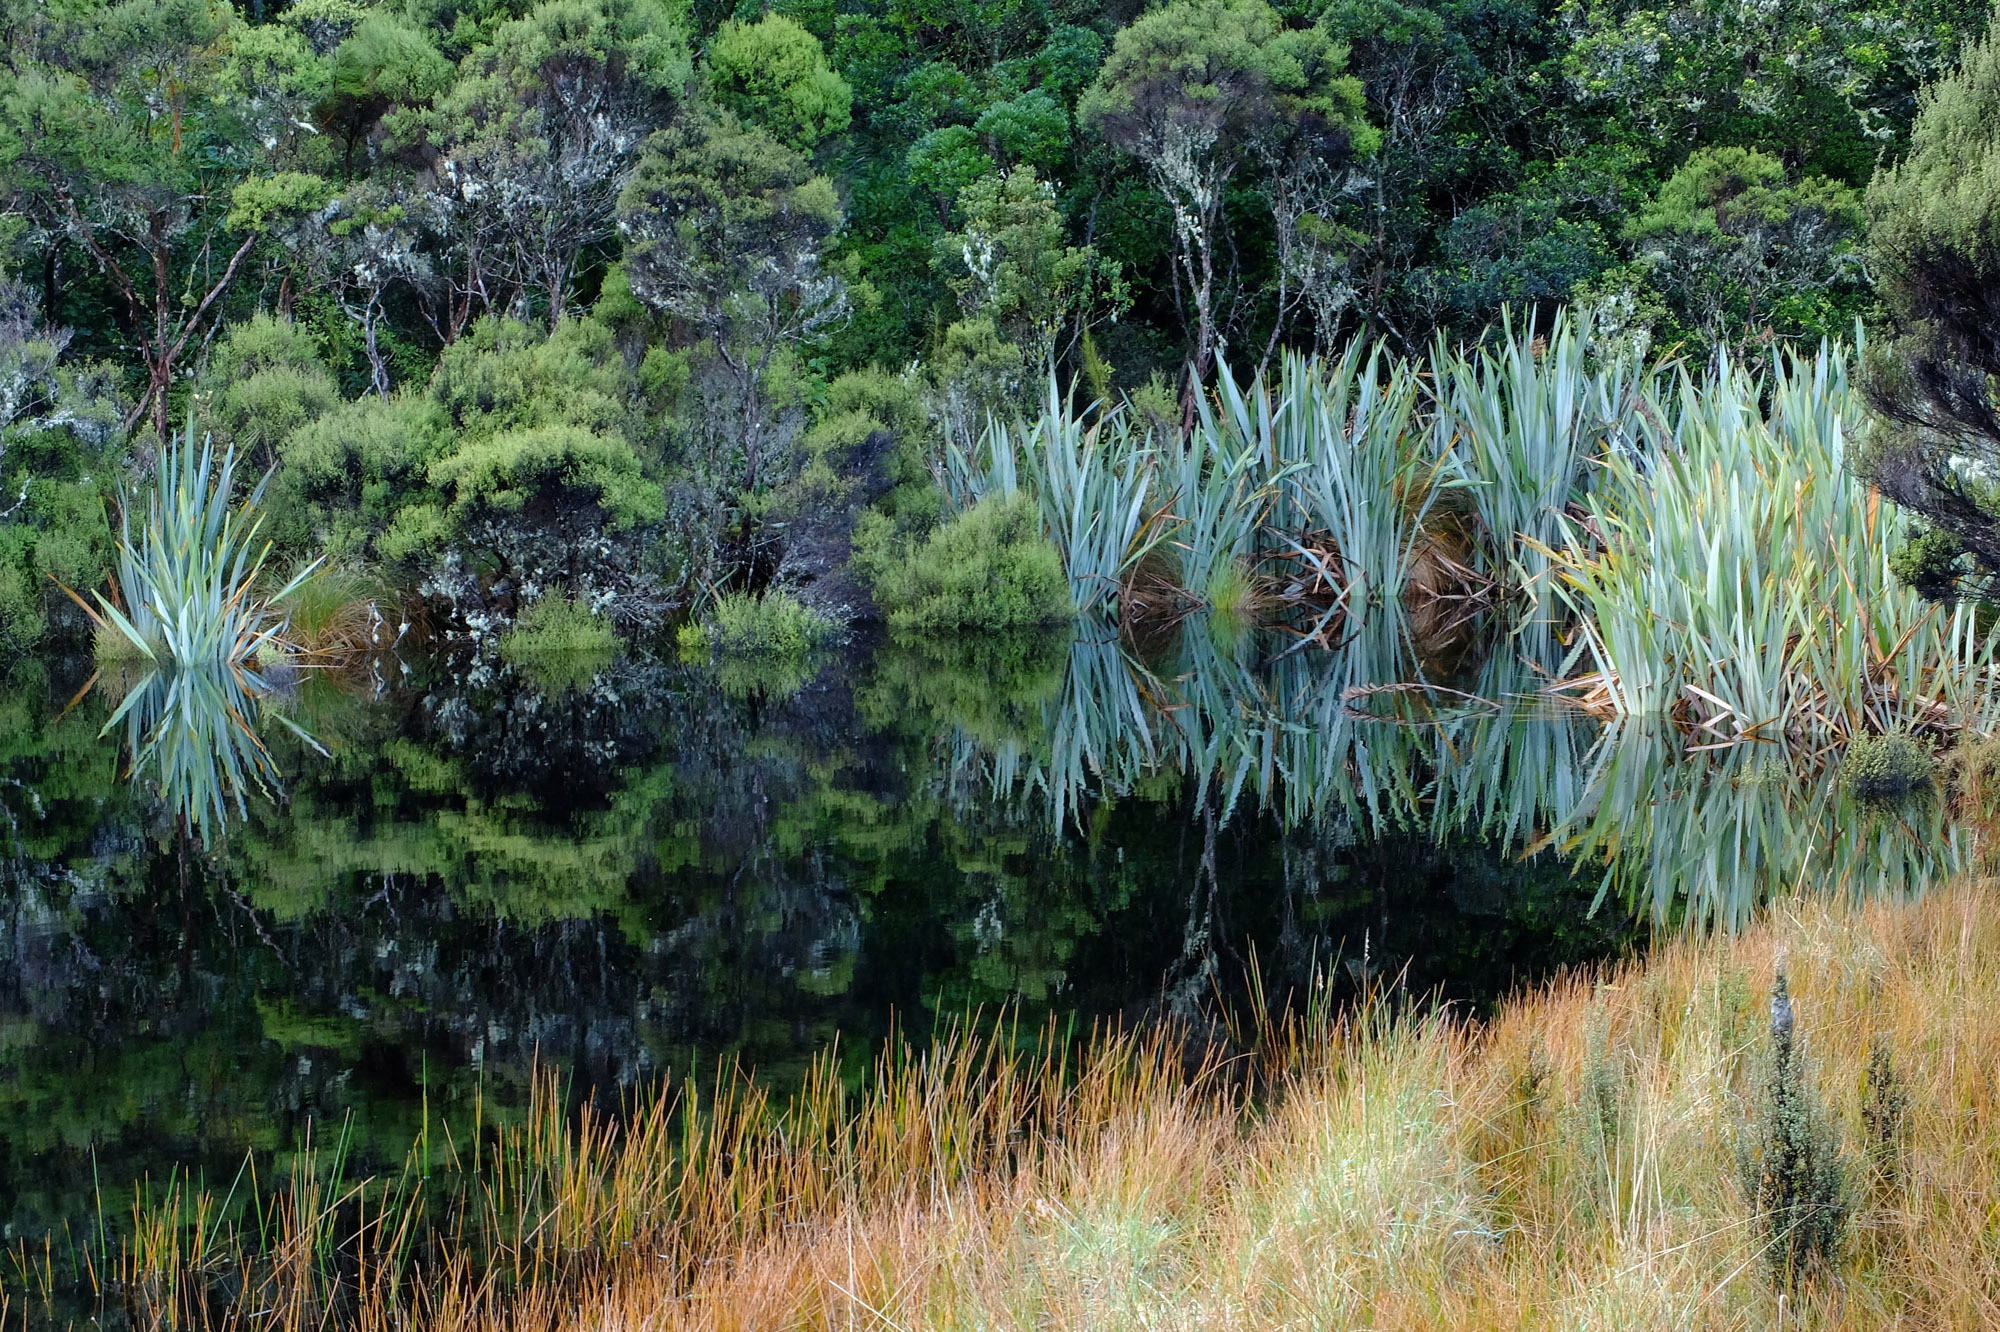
(633, 867)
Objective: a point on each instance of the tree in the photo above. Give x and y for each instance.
(59, 443)
(1934, 233)
(526, 154)
(1737, 247)
(142, 140)
(1009, 264)
(1197, 89)
(725, 227)
(773, 74)
(1825, 83)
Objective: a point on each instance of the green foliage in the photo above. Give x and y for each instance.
(266, 380)
(1737, 247)
(387, 60)
(559, 640)
(345, 476)
(1887, 766)
(774, 74)
(258, 204)
(724, 229)
(776, 625)
(947, 162)
(989, 570)
(1031, 130)
(763, 643)
(60, 456)
(1931, 563)
(499, 477)
(1197, 89)
(190, 578)
(1934, 236)
(1794, 1170)
(1008, 264)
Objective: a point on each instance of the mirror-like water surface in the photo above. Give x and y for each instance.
(422, 879)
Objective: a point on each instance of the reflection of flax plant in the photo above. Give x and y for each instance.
(190, 577)
(191, 728)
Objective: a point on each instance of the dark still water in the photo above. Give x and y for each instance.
(630, 868)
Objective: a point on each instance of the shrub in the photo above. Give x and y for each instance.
(1886, 766)
(776, 626)
(268, 381)
(344, 477)
(1793, 1168)
(560, 642)
(988, 570)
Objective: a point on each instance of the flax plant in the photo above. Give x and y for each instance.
(1734, 575)
(191, 577)
(1527, 416)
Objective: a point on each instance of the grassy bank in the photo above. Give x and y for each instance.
(1578, 1161)
(1574, 1164)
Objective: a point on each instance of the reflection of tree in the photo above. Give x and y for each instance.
(644, 874)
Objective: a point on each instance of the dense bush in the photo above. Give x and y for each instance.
(1886, 765)
(775, 626)
(60, 460)
(988, 570)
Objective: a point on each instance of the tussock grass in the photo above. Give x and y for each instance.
(1576, 1161)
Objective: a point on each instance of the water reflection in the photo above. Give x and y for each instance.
(638, 870)
(1683, 832)
(194, 734)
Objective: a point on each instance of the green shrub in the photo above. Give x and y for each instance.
(267, 381)
(762, 643)
(1794, 1170)
(344, 477)
(776, 626)
(1886, 766)
(560, 642)
(556, 625)
(989, 570)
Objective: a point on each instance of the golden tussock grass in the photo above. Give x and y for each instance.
(1573, 1162)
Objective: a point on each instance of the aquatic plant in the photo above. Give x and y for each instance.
(1734, 575)
(1527, 413)
(762, 644)
(190, 579)
(559, 641)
